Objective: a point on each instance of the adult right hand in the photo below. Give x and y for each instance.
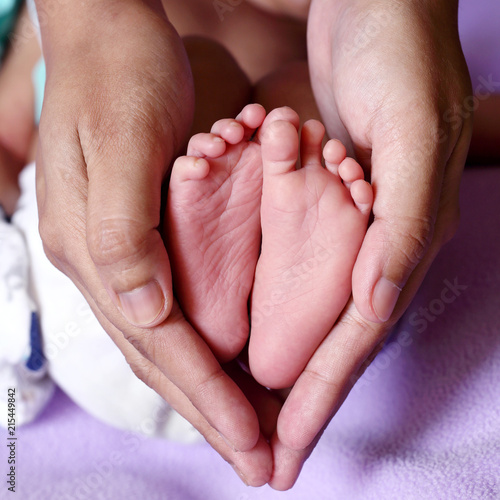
(118, 104)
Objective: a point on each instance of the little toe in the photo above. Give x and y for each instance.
(350, 170)
(311, 137)
(210, 145)
(229, 129)
(362, 195)
(280, 147)
(187, 168)
(334, 154)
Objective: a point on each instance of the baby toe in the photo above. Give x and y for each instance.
(251, 117)
(210, 145)
(350, 170)
(189, 168)
(334, 154)
(229, 129)
(362, 195)
(280, 148)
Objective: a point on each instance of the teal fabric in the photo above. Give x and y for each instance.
(8, 14)
(38, 77)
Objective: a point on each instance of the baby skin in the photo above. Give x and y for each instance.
(213, 229)
(228, 192)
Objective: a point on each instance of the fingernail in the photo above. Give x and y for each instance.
(385, 296)
(142, 305)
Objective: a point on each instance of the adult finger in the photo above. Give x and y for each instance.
(253, 466)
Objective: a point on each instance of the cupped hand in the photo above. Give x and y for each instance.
(118, 105)
(391, 78)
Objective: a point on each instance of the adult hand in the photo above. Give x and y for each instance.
(392, 78)
(118, 104)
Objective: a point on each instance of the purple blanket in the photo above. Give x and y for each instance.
(422, 423)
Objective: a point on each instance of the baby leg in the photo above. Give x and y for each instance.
(221, 87)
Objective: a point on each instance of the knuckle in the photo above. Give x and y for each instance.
(113, 241)
(410, 241)
(130, 122)
(360, 330)
(323, 378)
(52, 240)
(152, 345)
(356, 323)
(145, 371)
(144, 344)
(204, 388)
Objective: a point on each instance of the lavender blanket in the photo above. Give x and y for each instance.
(422, 423)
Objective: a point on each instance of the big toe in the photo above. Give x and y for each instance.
(280, 141)
(285, 114)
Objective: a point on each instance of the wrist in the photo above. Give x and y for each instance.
(73, 27)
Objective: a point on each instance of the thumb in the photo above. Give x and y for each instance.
(123, 216)
(390, 252)
(407, 193)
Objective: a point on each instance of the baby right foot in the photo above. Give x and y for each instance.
(313, 225)
(214, 229)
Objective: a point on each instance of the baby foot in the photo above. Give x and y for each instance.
(313, 222)
(214, 229)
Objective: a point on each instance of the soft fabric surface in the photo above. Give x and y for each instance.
(422, 423)
(478, 22)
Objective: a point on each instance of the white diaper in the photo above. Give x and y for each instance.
(23, 370)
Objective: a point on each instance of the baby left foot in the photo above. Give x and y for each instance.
(313, 222)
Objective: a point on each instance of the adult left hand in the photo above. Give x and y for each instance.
(391, 77)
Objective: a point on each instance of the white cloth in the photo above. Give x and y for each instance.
(21, 367)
